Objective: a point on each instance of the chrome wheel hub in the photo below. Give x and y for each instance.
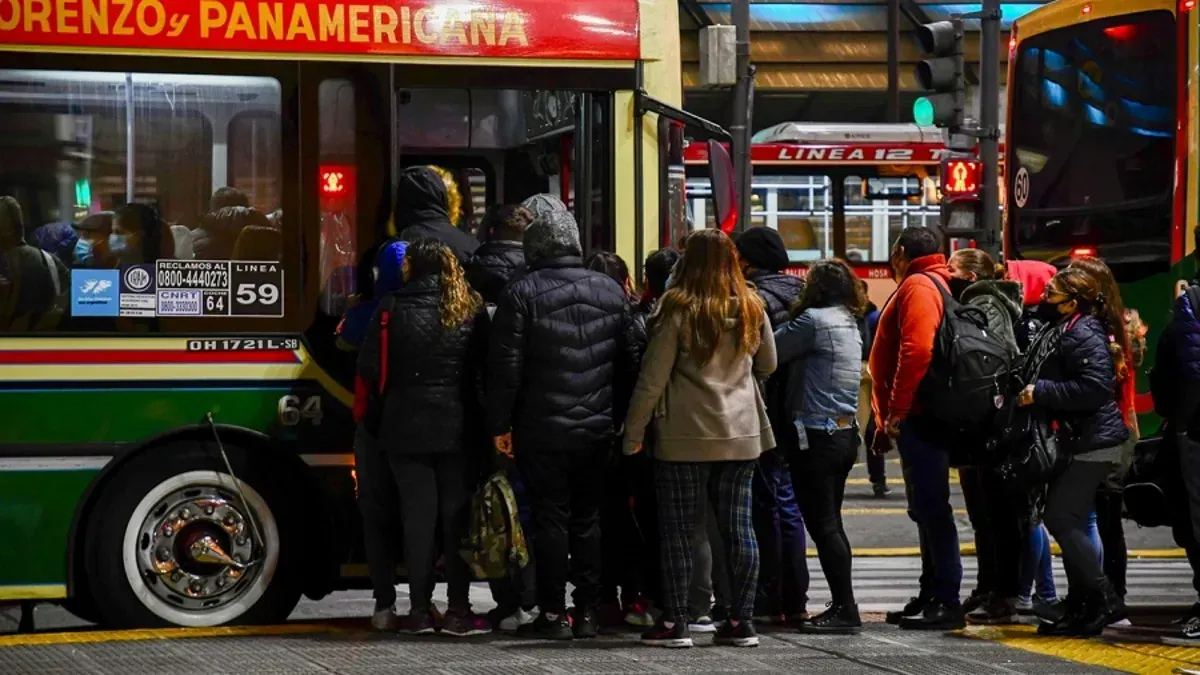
(196, 550)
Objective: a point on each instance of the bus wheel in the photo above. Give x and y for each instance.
(171, 542)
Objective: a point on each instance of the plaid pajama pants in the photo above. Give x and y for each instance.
(683, 488)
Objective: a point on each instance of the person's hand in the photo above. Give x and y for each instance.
(1180, 287)
(893, 428)
(504, 445)
(635, 449)
(881, 444)
(1025, 398)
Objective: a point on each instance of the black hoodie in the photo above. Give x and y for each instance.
(421, 212)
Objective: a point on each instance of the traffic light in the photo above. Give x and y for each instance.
(942, 74)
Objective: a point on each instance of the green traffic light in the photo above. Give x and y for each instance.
(923, 112)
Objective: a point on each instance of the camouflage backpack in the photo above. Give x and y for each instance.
(495, 545)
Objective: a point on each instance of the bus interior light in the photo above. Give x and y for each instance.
(1087, 9)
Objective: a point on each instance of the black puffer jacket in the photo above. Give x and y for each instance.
(432, 375)
(637, 336)
(779, 291)
(494, 265)
(1076, 385)
(421, 211)
(556, 353)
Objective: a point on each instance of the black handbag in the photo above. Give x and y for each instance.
(1032, 457)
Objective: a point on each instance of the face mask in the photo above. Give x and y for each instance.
(1047, 312)
(959, 286)
(84, 254)
(118, 244)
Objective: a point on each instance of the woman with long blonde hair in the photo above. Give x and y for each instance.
(421, 361)
(711, 348)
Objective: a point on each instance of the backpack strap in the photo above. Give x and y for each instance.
(946, 297)
(385, 314)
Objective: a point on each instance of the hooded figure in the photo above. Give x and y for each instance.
(422, 211)
(554, 358)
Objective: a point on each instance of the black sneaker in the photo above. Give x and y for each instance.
(741, 635)
(914, 607)
(1188, 636)
(939, 615)
(546, 628)
(1103, 608)
(586, 623)
(1053, 612)
(974, 601)
(997, 611)
(675, 637)
(1193, 616)
(881, 490)
(836, 620)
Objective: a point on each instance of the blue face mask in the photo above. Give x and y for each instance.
(84, 253)
(118, 243)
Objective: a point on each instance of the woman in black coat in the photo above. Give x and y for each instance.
(1081, 366)
(422, 361)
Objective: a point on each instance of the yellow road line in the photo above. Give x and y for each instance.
(887, 511)
(100, 636)
(1137, 657)
(968, 549)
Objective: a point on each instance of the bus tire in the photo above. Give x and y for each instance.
(158, 534)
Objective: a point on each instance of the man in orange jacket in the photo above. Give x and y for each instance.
(900, 357)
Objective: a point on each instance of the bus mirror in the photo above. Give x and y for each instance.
(720, 171)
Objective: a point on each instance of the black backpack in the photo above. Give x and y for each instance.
(969, 379)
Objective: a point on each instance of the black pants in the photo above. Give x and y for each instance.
(566, 488)
(433, 491)
(380, 508)
(1069, 506)
(819, 475)
(998, 531)
(622, 574)
(876, 464)
(1112, 535)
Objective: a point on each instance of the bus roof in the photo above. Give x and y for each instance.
(587, 31)
(1067, 12)
(803, 143)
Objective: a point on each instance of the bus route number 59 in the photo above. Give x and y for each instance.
(257, 289)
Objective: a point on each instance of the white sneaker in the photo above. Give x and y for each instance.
(511, 623)
(702, 624)
(385, 619)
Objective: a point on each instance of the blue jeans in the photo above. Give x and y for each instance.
(1094, 535)
(1037, 565)
(926, 466)
(783, 572)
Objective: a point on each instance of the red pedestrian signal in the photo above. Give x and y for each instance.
(961, 178)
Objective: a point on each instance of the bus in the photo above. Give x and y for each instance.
(836, 190)
(176, 446)
(1102, 143)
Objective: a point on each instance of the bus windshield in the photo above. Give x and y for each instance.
(1092, 140)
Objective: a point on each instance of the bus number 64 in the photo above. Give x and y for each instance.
(292, 410)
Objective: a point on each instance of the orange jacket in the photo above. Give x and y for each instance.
(904, 339)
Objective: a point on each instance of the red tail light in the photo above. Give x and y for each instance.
(1083, 252)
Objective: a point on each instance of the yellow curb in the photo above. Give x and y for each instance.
(1130, 657)
(101, 636)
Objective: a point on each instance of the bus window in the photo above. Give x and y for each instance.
(801, 216)
(254, 151)
(80, 146)
(1092, 141)
(878, 208)
(338, 195)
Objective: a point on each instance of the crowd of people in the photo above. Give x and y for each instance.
(671, 440)
(671, 447)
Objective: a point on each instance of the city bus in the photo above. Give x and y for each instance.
(836, 190)
(176, 445)
(1102, 144)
